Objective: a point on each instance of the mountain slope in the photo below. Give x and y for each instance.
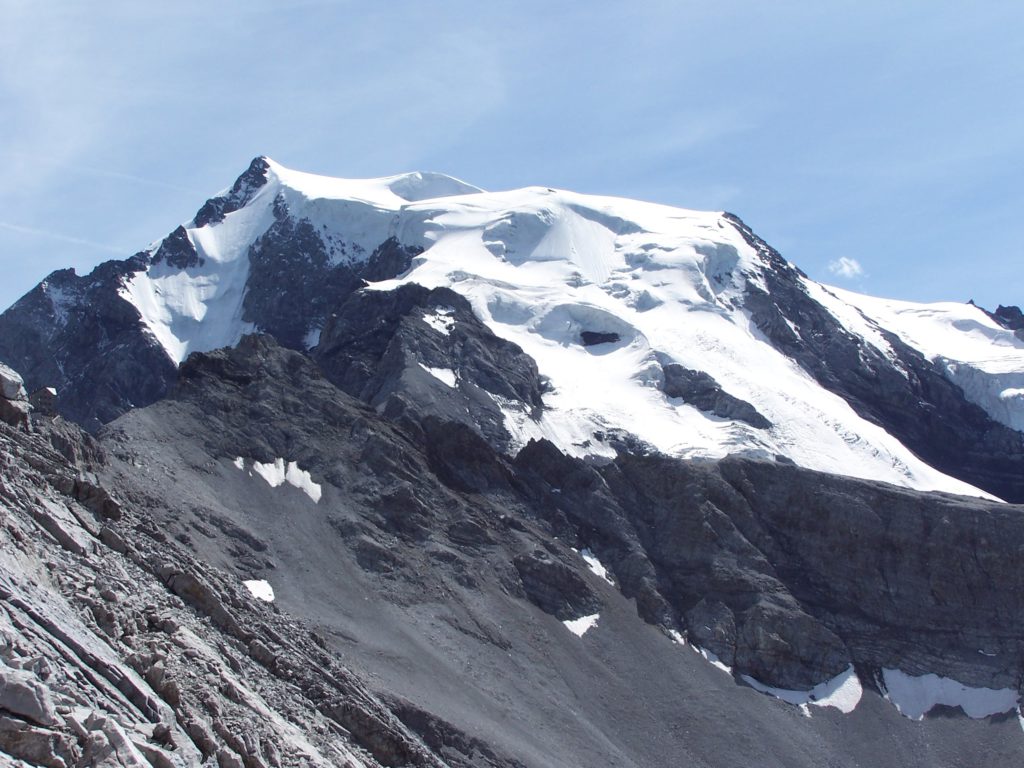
(119, 648)
(449, 576)
(418, 624)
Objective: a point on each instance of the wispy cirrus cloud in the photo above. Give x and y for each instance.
(60, 236)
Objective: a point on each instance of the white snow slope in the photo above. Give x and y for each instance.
(539, 266)
(979, 355)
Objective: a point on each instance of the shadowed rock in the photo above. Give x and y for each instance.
(700, 390)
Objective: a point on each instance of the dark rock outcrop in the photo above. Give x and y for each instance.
(242, 191)
(296, 278)
(177, 251)
(554, 587)
(1010, 318)
(383, 346)
(292, 281)
(700, 390)
(592, 338)
(77, 334)
(791, 574)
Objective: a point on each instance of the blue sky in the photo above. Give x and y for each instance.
(879, 146)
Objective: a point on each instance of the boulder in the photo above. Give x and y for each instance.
(60, 523)
(554, 587)
(712, 626)
(36, 746)
(15, 412)
(22, 694)
(14, 405)
(12, 387)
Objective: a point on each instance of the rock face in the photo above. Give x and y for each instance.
(554, 587)
(79, 335)
(1010, 317)
(12, 386)
(23, 695)
(829, 565)
(242, 191)
(297, 277)
(177, 251)
(425, 352)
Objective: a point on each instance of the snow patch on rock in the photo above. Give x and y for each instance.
(580, 626)
(595, 565)
(842, 692)
(915, 696)
(712, 659)
(280, 472)
(441, 320)
(312, 337)
(676, 637)
(260, 589)
(445, 375)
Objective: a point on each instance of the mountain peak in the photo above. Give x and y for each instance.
(418, 185)
(386, 191)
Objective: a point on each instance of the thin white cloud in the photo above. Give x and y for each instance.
(61, 237)
(846, 268)
(130, 177)
(48, 163)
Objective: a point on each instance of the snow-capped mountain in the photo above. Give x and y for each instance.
(679, 330)
(402, 472)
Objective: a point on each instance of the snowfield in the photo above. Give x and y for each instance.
(540, 267)
(974, 351)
